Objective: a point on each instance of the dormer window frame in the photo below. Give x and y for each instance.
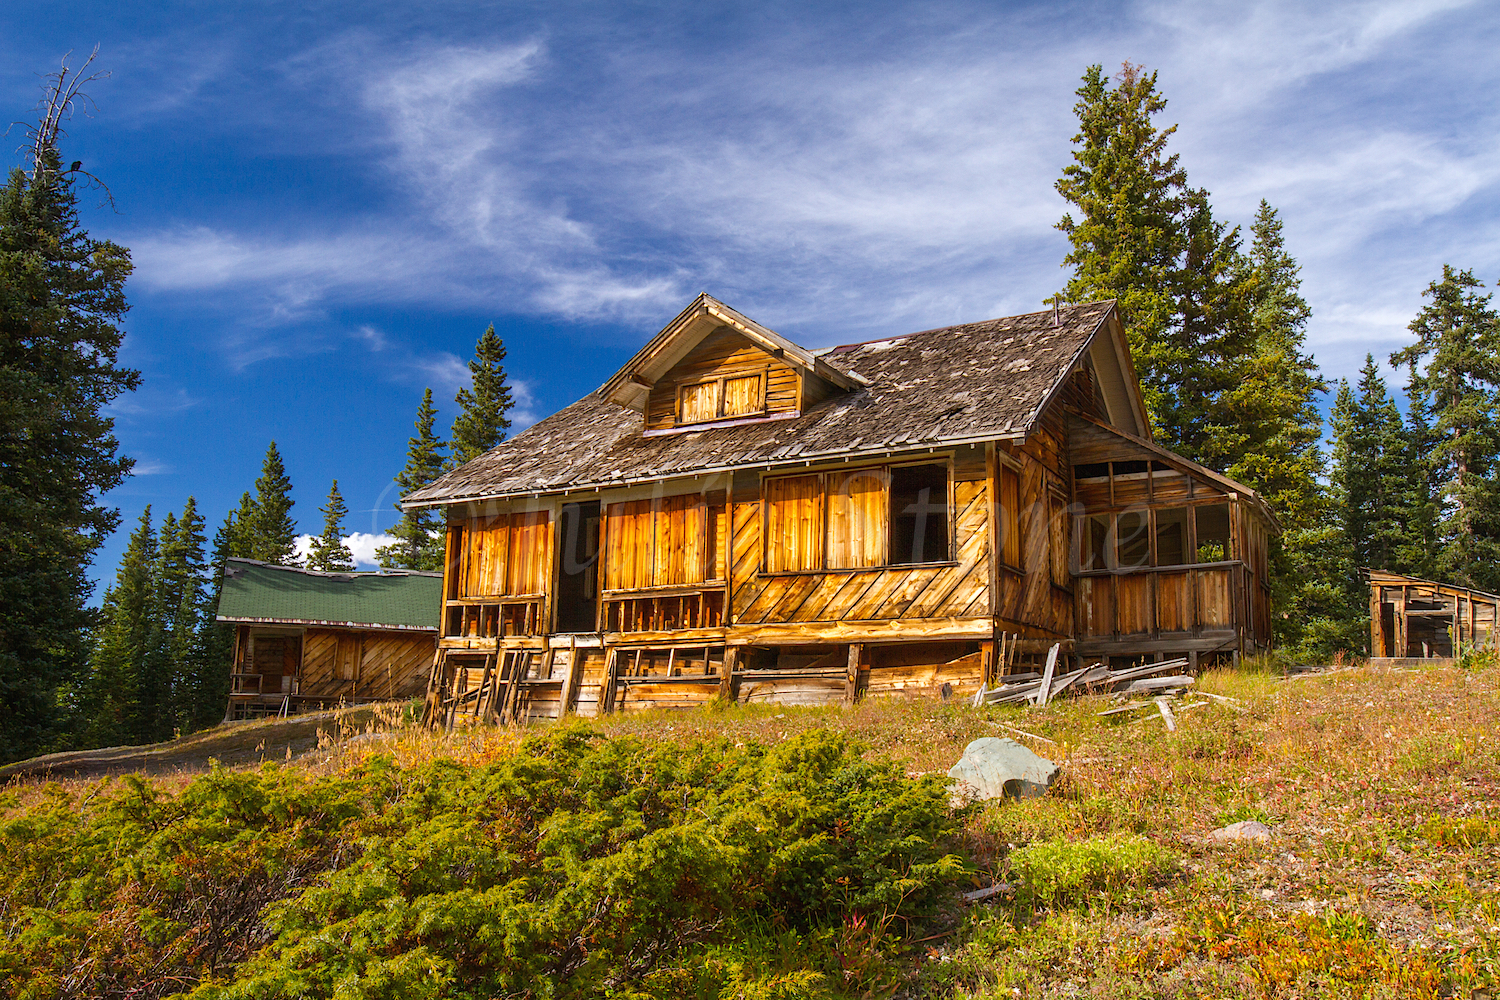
(718, 383)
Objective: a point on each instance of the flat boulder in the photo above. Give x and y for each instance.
(993, 767)
(1244, 830)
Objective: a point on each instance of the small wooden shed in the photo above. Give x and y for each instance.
(1424, 619)
(307, 640)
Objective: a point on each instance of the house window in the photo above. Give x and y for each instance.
(919, 514)
(661, 542)
(741, 396)
(699, 402)
(1171, 536)
(857, 518)
(721, 399)
(1133, 537)
(508, 555)
(1213, 532)
(1095, 542)
(794, 524)
(1010, 518)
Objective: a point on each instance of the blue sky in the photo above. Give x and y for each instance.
(327, 202)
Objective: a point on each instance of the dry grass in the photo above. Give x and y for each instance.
(1382, 787)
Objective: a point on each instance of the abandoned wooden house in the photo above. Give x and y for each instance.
(732, 515)
(1423, 619)
(306, 640)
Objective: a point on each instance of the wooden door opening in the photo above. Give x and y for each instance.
(578, 567)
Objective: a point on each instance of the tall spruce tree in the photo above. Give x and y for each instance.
(267, 529)
(1455, 365)
(420, 542)
(482, 420)
(1147, 240)
(127, 648)
(182, 595)
(1417, 553)
(329, 553)
(62, 299)
(215, 639)
(1370, 471)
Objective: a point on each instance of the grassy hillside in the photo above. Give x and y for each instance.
(768, 852)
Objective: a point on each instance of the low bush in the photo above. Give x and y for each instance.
(578, 867)
(1100, 870)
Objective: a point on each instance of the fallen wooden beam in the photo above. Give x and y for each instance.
(1166, 714)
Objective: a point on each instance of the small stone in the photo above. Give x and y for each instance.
(993, 767)
(1245, 830)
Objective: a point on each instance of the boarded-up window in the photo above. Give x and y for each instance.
(1133, 537)
(1010, 517)
(919, 514)
(507, 556)
(699, 402)
(1171, 536)
(661, 542)
(1057, 535)
(527, 563)
(1213, 532)
(857, 511)
(794, 524)
(742, 396)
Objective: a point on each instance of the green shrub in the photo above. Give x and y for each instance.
(1063, 874)
(579, 867)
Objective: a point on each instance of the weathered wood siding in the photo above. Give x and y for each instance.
(949, 591)
(364, 665)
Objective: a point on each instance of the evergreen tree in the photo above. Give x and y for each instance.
(482, 422)
(239, 529)
(126, 647)
(420, 544)
(1147, 240)
(1458, 338)
(62, 298)
(1369, 477)
(1417, 553)
(214, 647)
(267, 529)
(182, 585)
(329, 553)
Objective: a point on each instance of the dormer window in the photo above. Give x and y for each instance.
(721, 399)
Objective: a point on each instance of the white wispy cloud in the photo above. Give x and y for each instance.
(361, 546)
(871, 187)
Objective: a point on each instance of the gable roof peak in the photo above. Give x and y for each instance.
(630, 385)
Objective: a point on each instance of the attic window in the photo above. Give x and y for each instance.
(720, 399)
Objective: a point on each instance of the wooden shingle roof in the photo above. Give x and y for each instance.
(959, 384)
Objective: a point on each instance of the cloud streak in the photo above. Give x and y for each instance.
(870, 188)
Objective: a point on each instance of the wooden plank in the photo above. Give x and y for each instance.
(851, 684)
(1046, 686)
(1166, 715)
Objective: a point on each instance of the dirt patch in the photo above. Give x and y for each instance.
(232, 744)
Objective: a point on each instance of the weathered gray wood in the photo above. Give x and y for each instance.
(1166, 714)
(1156, 684)
(1045, 688)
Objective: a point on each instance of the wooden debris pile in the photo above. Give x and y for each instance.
(1157, 683)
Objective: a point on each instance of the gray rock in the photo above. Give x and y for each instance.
(1244, 830)
(993, 767)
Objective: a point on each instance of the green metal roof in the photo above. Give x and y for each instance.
(260, 592)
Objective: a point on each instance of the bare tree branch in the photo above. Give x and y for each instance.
(63, 94)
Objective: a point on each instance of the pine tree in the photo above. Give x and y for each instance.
(1369, 476)
(420, 543)
(269, 532)
(1150, 242)
(126, 646)
(215, 639)
(1417, 553)
(1458, 337)
(62, 298)
(482, 422)
(182, 584)
(329, 553)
